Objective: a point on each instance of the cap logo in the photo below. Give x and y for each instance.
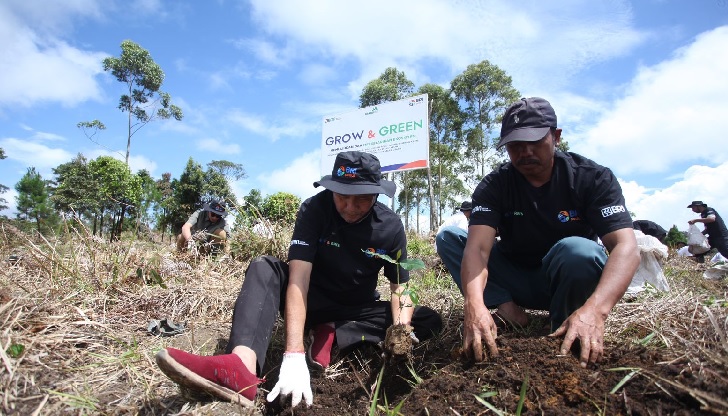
(346, 172)
(515, 118)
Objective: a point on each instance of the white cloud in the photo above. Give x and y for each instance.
(43, 67)
(382, 33)
(667, 206)
(37, 155)
(272, 130)
(216, 146)
(296, 178)
(672, 112)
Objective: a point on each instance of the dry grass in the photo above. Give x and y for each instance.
(74, 315)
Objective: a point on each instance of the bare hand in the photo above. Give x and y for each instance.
(478, 327)
(588, 326)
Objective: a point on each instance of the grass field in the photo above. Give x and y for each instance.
(74, 314)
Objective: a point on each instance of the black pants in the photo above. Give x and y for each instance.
(262, 297)
(720, 244)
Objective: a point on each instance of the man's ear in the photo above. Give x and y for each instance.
(557, 136)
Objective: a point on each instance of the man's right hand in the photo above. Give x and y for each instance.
(479, 327)
(293, 379)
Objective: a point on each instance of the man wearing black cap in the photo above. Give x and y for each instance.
(549, 207)
(329, 285)
(206, 225)
(715, 228)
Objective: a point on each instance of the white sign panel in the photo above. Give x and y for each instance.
(396, 132)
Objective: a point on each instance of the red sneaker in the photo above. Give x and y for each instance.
(319, 351)
(222, 376)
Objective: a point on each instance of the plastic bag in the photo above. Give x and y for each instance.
(697, 241)
(649, 272)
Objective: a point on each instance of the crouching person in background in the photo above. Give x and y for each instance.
(206, 229)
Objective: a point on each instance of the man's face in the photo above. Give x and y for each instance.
(353, 208)
(534, 159)
(212, 216)
(697, 209)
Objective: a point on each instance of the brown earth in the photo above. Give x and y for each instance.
(553, 384)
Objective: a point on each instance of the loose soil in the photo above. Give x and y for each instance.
(632, 379)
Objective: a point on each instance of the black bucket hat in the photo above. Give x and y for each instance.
(697, 204)
(357, 173)
(466, 206)
(215, 207)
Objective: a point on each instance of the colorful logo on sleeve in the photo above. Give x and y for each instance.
(566, 216)
(370, 250)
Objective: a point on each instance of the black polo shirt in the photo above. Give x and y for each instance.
(342, 268)
(582, 199)
(716, 230)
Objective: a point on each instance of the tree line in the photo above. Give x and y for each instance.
(464, 124)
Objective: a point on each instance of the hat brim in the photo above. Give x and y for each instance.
(697, 205)
(206, 207)
(525, 134)
(385, 187)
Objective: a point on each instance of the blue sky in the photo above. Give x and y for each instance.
(640, 87)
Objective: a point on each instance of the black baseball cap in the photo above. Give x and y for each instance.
(357, 173)
(527, 120)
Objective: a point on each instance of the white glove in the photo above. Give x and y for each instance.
(294, 379)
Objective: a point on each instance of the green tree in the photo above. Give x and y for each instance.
(143, 100)
(391, 85)
(487, 91)
(230, 170)
(281, 207)
(33, 201)
(166, 202)
(187, 193)
(118, 189)
(3, 188)
(76, 191)
(150, 201)
(252, 206)
(675, 236)
(446, 122)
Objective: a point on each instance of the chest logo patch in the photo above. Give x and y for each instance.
(370, 251)
(566, 216)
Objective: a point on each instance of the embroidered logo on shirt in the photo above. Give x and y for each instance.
(479, 208)
(370, 250)
(329, 242)
(607, 211)
(566, 216)
(298, 243)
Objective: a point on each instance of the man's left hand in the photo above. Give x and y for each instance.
(588, 326)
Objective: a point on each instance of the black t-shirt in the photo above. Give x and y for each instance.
(716, 230)
(341, 269)
(582, 199)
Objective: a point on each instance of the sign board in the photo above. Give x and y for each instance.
(397, 133)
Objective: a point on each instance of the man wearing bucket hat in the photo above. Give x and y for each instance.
(328, 286)
(549, 207)
(715, 228)
(206, 225)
